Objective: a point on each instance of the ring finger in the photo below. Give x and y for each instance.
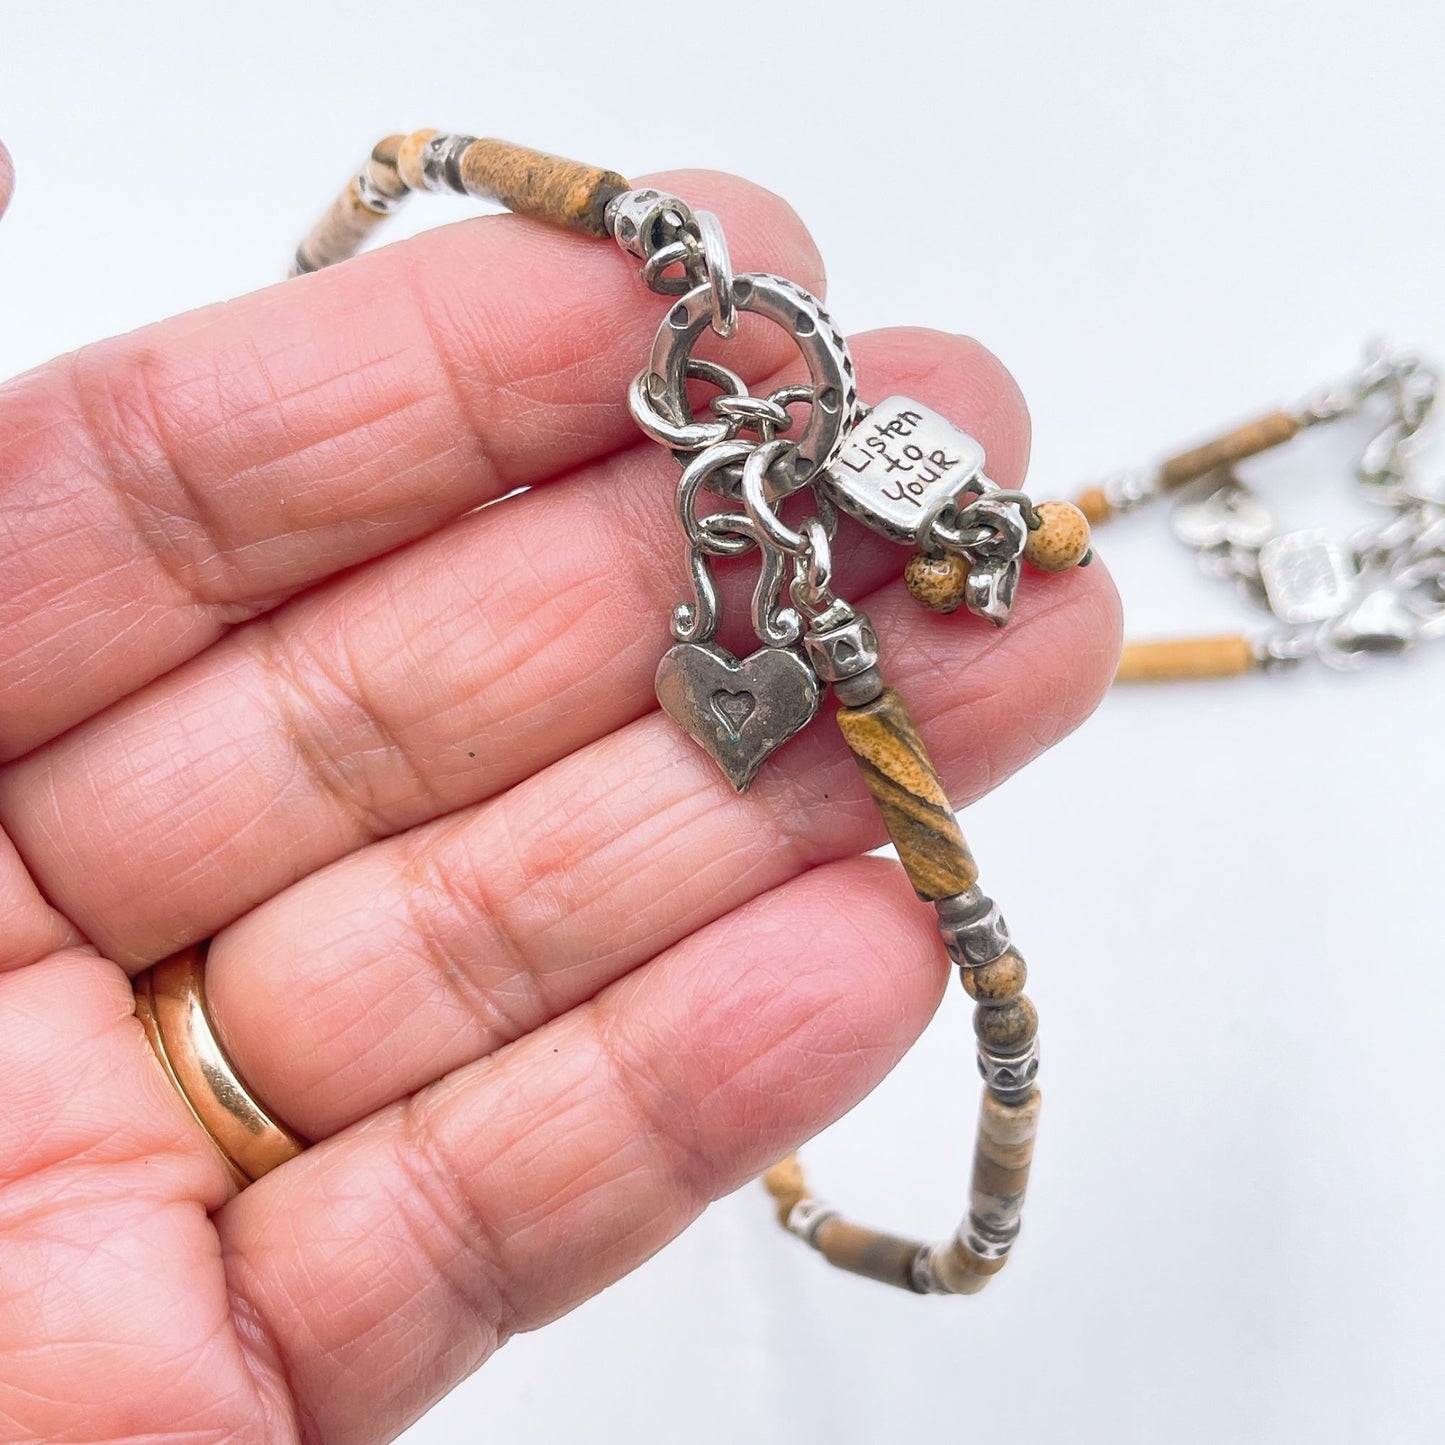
(436, 947)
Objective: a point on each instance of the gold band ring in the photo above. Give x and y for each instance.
(170, 1000)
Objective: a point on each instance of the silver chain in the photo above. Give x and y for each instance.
(743, 451)
(1338, 600)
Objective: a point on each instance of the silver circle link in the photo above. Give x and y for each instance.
(791, 395)
(833, 391)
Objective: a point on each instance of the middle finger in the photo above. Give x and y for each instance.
(426, 682)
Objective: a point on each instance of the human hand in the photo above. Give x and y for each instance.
(486, 924)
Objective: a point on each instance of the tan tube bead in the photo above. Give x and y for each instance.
(1186, 658)
(1001, 1185)
(1095, 506)
(859, 1250)
(1245, 441)
(340, 233)
(532, 183)
(1003, 1154)
(1008, 1126)
(909, 793)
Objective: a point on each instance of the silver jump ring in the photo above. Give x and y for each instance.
(755, 499)
(939, 524)
(677, 253)
(790, 395)
(813, 577)
(719, 272)
(753, 411)
(694, 477)
(645, 395)
(726, 534)
(1022, 501)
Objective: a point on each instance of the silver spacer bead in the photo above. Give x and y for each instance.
(373, 197)
(922, 1276)
(860, 690)
(986, 1240)
(973, 929)
(1126, 490)
(1010, 1077)
(807, 1217)
(642, 222)
(441, 162)
(843, 650)
(963, 906)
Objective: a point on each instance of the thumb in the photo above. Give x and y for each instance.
(7, 179)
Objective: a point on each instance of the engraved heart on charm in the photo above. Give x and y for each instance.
(738, 712)
(734, 708)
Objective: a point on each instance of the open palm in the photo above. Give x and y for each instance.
(486, 925)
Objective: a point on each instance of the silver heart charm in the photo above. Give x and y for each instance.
(1227, 514)
(738, 712)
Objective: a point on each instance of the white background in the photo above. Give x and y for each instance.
(1164, 218)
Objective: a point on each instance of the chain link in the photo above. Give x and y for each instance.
(1376, 592)
(684, 252)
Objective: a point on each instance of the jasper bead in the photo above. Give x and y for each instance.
(909, 793)
(1008, 1028)
(936, 582)
(996, 982)
(1061, 540)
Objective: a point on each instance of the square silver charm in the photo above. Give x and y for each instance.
(899, 465)
(1307, 578)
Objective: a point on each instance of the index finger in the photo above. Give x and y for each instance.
(159, 487)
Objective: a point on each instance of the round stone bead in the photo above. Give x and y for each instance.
(785, 1182)
(936, 582)
(996, 982)
(1061, 540)
(409, 159)
(1007, 1028)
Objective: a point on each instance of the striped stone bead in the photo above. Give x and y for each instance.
(904, 783)
(1002, 1156)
